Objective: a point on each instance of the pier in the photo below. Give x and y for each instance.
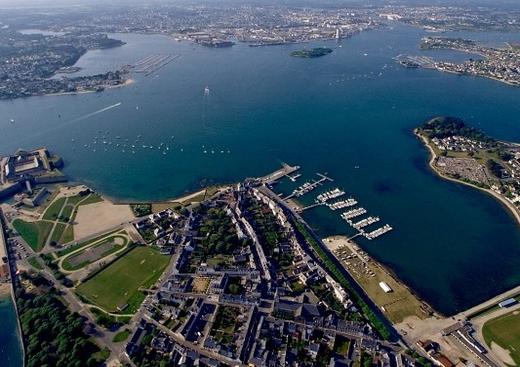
(294, 177)
(378, 232)
(309, 186)
(326, 196)
(351, 214)
(365, 222)
(286, 170)
(153, 63)
(342, 204)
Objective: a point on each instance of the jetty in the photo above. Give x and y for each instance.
(286, 170)
(353, 213)
(324, 197)
(153, 63)
(342, 204)
(378, 232)
(309, 186)
(365, 222)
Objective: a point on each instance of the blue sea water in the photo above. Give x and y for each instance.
(10, 348)
(350, 113)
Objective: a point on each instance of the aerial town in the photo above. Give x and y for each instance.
(234, 272)
(468, 155)
(502, 64)
(231, 275)
(30, 61)
(48, 68)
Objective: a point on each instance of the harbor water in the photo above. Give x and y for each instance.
(221, 115)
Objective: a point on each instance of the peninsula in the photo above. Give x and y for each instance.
(312, 53)
(501, 64)
(466, 155)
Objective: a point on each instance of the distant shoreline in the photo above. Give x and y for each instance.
(126, 83)
(433, 156)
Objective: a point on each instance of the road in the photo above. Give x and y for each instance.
(180, 340)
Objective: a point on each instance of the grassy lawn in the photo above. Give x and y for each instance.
(68, 235)
(505, 331)
(92, 199)
(121, 336)
(54, 209)
(34, 233)
(119, 283)
(66, 214)
(58, 232)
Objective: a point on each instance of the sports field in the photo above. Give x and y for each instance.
(505, 331)
(94, 253)
(119, 283)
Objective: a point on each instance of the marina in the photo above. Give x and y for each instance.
(353, 213)
(309, 186)
(342, 204)
(322, 198)
(153, 63)
(378, 232)
(365, 222)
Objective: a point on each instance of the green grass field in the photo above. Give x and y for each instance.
(121, 336)
(34, 233)
(119, 283)
(92, 199)
(58, 232)
(54, 209)
(505, 331)
(66, 214)
(68, 235)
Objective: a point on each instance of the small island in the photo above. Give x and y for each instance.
(467, 155)
(312, 53)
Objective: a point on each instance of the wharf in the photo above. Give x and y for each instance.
(309, 186)
(286, 170)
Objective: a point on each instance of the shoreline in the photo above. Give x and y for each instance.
(433, 156)
(126, 83)
(5, 291)
(512, 84)
(335, 241)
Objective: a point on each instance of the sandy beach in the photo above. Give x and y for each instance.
(433, 157)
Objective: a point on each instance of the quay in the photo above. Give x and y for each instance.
(286, 170)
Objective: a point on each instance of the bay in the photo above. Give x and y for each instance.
(350, 113)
